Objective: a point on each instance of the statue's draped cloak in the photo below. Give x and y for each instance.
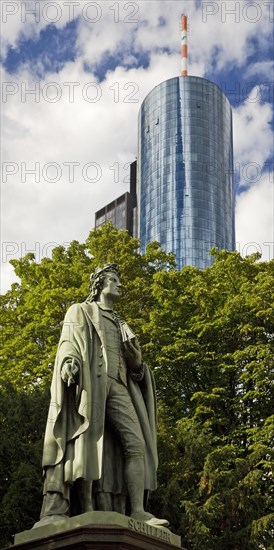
(77, 443)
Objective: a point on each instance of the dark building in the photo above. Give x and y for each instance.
(122, 211)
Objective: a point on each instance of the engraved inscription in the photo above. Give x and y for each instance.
(146, 529)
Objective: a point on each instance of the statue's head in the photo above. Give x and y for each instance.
(96, 281)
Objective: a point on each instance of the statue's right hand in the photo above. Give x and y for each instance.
(69, 371)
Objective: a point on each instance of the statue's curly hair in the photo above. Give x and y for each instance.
(96, 280)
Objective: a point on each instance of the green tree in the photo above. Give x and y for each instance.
(22, 421)
(208, 337)
(211, 337)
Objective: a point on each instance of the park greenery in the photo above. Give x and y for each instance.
(208, 336)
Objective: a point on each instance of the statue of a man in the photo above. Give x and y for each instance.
(100, 441)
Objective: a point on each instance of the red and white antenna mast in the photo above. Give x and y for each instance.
(184, 45)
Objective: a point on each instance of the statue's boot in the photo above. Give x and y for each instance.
(84, 489)
(150, 519)
(135, 475)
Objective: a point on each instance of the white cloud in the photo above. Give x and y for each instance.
(41, 133)
(253, 136)
(219, 34)
(104, 132)
(23, 19)
(254, 219)
(226, 33)
(261, 68)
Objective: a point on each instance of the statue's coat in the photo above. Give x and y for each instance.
(75, 430)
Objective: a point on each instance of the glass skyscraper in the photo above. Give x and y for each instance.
(185, 184)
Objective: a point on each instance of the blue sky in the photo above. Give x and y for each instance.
(90, 67)
(53, 47)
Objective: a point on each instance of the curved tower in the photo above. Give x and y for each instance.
(185, 184)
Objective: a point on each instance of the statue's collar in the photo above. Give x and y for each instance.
(110, 310)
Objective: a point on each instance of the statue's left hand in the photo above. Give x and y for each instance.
(133, 354)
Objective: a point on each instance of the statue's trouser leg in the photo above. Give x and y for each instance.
(104, 501)
(110, 502)
(84, 489)
(123, 418)
(134, 476)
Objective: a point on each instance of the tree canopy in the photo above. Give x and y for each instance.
(208, 336)
(216, 382)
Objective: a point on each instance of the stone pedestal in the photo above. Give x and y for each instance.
(97, 531)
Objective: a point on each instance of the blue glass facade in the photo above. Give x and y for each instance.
(185, 184)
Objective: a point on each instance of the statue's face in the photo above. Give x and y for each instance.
(112, 285)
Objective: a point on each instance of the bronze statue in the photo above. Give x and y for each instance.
(100, 441)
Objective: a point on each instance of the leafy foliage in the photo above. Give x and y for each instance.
(208, 337)
(23, 417)
(215, 376)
